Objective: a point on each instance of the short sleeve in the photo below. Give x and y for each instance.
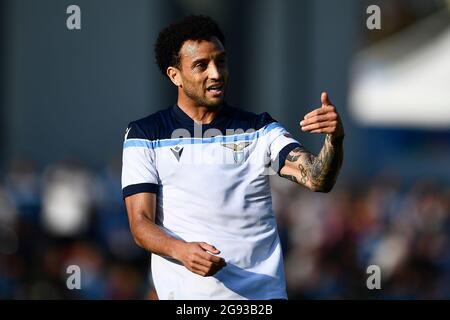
(139, 173)
(280, 143)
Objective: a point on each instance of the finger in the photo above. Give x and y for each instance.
(313, 113)
(206, 271)
(206, 255)
(323, 130)
(209, 247)
(324, 99)
(213, 271)
(209, 261)
(319, 111)
(209, 257)
(200, 270)
(319, 118)
(320, 125)
(199, 259)
(216, 267)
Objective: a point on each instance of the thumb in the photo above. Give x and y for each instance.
(324, 99)
(209, 247)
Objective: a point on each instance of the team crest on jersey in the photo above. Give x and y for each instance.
(238, 150)
(177, 151)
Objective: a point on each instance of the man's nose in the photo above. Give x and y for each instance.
(214, 71)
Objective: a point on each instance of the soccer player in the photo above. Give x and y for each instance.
(195, 176)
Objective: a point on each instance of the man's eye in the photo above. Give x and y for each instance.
(200, 65)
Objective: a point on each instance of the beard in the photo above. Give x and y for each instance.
(202, 100)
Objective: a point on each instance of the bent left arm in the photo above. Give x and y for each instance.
(318, 173)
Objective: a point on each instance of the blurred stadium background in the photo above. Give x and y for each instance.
(67, 97)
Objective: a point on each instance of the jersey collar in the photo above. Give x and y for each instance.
(187, 121)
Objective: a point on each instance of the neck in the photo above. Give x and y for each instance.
(200, 114)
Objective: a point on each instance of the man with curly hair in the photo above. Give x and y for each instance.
(195, 176)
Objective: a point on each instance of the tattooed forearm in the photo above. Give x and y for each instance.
(303, 174)
(327, 164)
(290, 177)
(320, 172)
(294, 154)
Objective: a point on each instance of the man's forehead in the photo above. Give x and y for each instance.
(194, 48)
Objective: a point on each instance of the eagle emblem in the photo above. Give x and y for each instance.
(238, 150)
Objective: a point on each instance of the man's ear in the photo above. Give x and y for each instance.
(174, 76)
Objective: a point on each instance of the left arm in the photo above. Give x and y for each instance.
(318, 173)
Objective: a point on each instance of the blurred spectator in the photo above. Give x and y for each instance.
(23, 187)
(67, 199)
(329, 240)
(112, 221)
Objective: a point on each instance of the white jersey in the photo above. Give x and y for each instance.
(212, 185)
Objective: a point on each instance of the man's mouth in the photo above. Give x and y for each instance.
(216, 89)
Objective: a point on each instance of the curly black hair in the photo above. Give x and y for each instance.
(171, 39)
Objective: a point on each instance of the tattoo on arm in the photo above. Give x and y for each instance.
(290, 177)
(303, 174)
(321, 171)
(294, 154)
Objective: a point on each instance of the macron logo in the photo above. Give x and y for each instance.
(177, 151)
